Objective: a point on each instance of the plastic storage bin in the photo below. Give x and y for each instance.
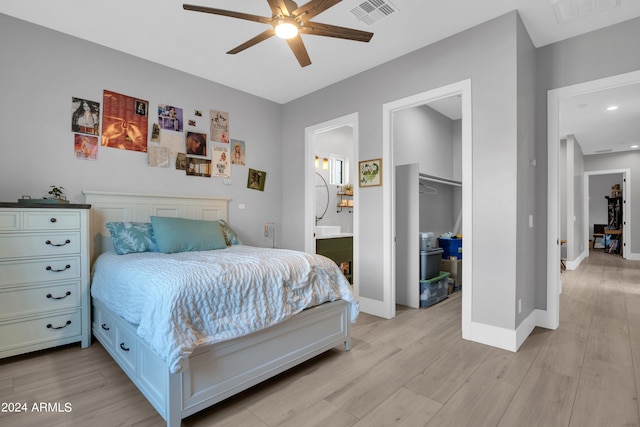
(434, 290)
(451, 248)
(426, 240)
(430, 263)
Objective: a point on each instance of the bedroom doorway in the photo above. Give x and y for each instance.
(331, 162)
(386, 308)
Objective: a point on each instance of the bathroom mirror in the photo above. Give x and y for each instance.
(322, 197)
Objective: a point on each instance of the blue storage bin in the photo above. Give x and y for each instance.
(451, 247)
(434, 290)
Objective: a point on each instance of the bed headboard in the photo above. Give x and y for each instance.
(107, 207)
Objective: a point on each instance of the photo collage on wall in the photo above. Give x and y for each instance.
(175, 133)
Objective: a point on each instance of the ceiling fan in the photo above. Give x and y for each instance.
(288, 22)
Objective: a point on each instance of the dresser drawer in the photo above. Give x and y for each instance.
(10, 221)
(26, 300)
(14, 334)
(51, 220)
(39, 244)
(39, 270)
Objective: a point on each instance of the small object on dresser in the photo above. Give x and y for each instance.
(56, 192)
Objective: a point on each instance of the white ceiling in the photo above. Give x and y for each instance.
(162, 32)
(597, 130)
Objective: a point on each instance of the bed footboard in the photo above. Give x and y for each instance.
(219, 371)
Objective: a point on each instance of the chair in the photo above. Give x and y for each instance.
(598, 231)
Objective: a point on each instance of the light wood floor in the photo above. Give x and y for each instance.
(413, 370)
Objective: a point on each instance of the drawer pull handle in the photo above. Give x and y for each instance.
(50, 326)
(123, 347)
(53, 220)
(66, 267)
(105, 327)
(62, 297)
(66, 242)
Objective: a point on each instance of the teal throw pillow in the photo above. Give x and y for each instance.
(184, 235)
(131, 237)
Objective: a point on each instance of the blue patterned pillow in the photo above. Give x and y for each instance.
(130, 237)
(230, 236)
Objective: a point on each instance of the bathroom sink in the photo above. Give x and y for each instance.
(327, 230)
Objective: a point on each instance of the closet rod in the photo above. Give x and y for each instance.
(440, 180)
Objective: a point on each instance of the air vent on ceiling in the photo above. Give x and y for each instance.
(608, 150)
(372, 11)
(569, 10)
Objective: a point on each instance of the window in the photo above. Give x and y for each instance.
(338, 170)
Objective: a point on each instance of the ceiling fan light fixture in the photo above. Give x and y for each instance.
(286, 29)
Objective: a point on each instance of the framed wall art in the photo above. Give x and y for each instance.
(370, 173)
(256, 179)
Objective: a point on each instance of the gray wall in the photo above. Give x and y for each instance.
(487, 55)
(423, 135)
(607, 52)
(43, 69)
(576, 247)
(526, 273)
(572, 198)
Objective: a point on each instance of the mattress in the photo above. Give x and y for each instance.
(181, 301)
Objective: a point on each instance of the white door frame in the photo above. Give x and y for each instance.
(387, 307)
(310, 195)
(551, 317)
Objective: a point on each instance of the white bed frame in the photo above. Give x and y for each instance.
(212, 373)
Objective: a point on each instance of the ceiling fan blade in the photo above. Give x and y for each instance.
(327, 30)
(297, 46)
(254, 41)
(230, 13)
(313, 8)
(286, 7)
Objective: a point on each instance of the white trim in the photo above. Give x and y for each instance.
(572, 265)
(506, 339)
(551, 316)
(388, 196)
(309, 196)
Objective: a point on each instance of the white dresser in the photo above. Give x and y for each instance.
(44, 277)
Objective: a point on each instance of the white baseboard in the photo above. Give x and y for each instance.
(572, 265)
(506, 339)
(633, 256)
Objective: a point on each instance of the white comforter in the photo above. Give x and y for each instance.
(184, 300)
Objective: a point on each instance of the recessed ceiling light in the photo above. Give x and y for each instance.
(635, 146)
(611, 108)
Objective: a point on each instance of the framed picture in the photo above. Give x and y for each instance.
(370, 173)
(256, 179)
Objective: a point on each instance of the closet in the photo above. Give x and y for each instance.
(428, 189)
